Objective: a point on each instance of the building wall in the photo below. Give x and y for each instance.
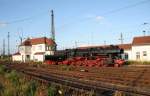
(38, 48)
(25, 50)
(16, 58)
(141, 49)
(49, 53)
(128, 53)
(28, 52)
(39, 58)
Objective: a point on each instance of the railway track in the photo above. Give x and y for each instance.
(127, 79)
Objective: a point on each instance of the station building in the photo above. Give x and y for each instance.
(34, 49)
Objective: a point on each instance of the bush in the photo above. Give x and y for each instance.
(13, 77)
(2, 69)
(51, 91)
(31, 89)
(1, 89)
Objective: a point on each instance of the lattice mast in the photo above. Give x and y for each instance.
(52, 26)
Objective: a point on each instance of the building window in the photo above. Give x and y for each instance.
(47, 47)
(144, 53)
(126, 56)
(137, 55)
(21, 49)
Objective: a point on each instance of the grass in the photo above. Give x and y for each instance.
(66, 68)
(13, 83)
(137, 63)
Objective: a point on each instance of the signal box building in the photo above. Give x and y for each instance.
(35, 49)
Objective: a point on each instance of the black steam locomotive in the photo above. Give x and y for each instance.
(113, 52)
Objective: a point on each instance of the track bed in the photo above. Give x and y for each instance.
(127, 79)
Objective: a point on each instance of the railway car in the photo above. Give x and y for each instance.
(96, 56)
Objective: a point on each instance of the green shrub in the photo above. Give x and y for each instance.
(137, 62)
(51, 91)
(2, 88)
(2, 69)
(13, 77)
(31, 88)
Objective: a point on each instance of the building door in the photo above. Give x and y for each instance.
(27, 57)
(137, 55)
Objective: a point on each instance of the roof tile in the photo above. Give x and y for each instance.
(143, 40)
(35, 41)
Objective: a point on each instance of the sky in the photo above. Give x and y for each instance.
(77, 22)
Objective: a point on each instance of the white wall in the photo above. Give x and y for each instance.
(49, 53)
(25, 50)
(129, 52)
(31, 50)
(16, 58)
(39, 58)
(141, 48)
(38, 48)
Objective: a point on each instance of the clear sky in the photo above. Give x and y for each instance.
(86, 22)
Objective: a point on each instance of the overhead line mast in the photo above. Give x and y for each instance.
(8, 44)
(121, 38)
(52, 26)
(3, 47)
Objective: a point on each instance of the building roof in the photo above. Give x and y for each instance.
(39, 53)
(143, 40)
(17, 53)
(125, 46)
(34, 41)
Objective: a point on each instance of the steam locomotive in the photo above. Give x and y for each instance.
(94, 56)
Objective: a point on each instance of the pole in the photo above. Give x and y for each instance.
(104, 43)
(121, 38)
(144, 32)
(3, 47)
(8, 44)
(76, 45)
(52, 26)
